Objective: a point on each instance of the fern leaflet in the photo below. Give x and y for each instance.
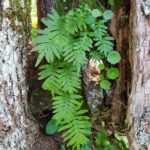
(77, 130)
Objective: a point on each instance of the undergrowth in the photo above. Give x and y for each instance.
(66, 44)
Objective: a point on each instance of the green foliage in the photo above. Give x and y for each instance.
(65, 44)
(105, 84)
(96, 13)
(113, 57)
(101, 66)
(60, 77)
(104, 141)
(52, 127)
(65, 106)
(113, 73)
(108, 14)
(78, 130)
(108, 73)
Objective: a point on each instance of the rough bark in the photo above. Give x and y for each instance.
(139, 101)
(18, 129)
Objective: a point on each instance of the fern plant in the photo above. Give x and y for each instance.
(64, 44)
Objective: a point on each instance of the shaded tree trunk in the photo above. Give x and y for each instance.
(139, 100)
(18, 129)
(43, 8)
(119, 29)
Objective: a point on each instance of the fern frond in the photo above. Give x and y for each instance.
(65, 107)
(50, 73)
(52, 39)
(74, 52)
(100, 29)
(69, 78)
(78, 130)
(105, 44)
(76, 57)
(76, 20)
(62, 77)
(84, 43)
(53, 21)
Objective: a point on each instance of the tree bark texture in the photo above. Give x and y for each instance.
(139, 101)
(18, 129)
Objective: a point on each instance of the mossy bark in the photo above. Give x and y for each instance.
(18, 129)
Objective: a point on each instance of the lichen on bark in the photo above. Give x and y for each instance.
(18, 129)
(139, 100)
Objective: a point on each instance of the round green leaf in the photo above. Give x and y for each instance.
(96, 13)
(113, 73)
(105, 84)
(101, 66)
(51, 127)
(113, 57)
(91, 20)
(108, 14)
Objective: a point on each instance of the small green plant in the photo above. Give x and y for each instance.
(64, 44)
(52, 127)
(104, 141)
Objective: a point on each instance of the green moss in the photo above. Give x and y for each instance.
(17, 13)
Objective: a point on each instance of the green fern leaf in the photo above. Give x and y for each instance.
(100, 29)
(105, 45)
(39, 59)
(43, 31)
(65, 106)
(71, 24)
(83, 43)
(52, 81)
(53, 21)
(69, 78)
(76, 20)
(75, 56)
(77, 130)
(62, 77)
(52, 39)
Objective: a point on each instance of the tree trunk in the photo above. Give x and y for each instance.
(139, 101)
(119, 30)
(43, 8)
(18, 129)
